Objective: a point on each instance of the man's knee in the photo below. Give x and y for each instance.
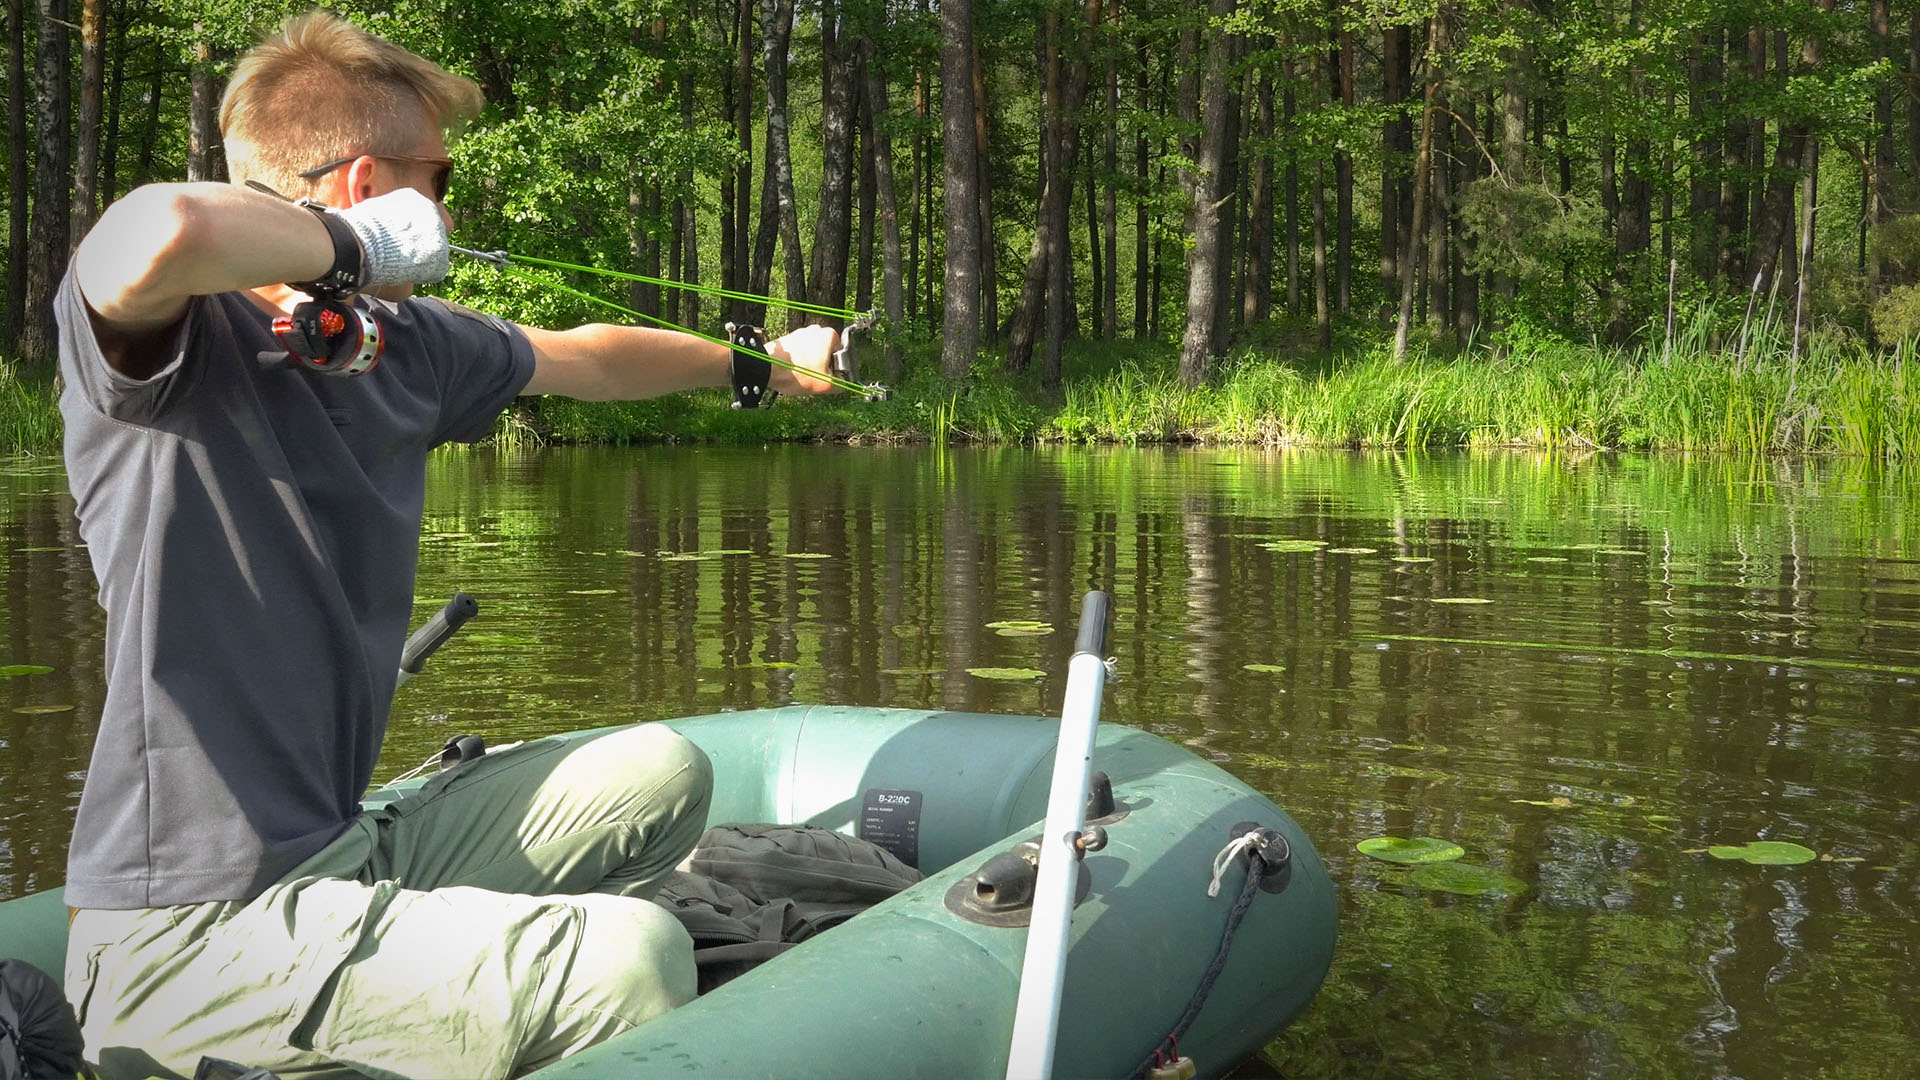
(633, 962)
(652, 764)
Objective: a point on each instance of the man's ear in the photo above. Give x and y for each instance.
(360, 181)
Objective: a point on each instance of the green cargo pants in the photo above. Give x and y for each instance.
(489, 923)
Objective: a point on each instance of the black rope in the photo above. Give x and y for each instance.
(1168, 1048)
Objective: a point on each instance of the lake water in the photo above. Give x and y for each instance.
(1583, 671)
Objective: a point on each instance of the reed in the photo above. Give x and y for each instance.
(29, 411)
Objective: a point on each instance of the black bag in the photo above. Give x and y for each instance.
(748, 893)
(39, 1034)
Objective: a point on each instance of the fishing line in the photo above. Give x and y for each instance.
(502, 258)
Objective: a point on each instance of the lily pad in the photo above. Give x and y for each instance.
(1420, 849)
(1352, 551)
(42, 710)
(1020, 628)
(1464, 879)
(1545, 558)
(1765, 853)
(1294, 545)
(807, 555)
(685, 556)
(1271, 669)
(1005, 674)
(591, 592)
(10, 671)
(770, 665)
(1412, 559)
(1461, 600)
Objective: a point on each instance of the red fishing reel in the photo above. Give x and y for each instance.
(327, 337)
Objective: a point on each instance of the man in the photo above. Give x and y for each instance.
(254, 531)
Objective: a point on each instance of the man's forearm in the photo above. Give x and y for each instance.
(598, 362)
(166, 243)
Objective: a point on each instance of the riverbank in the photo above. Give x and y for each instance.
(1548, 394)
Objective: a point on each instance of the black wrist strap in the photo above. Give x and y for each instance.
(749, 372)
(343, 280)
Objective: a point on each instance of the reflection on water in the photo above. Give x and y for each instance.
(1581, 671)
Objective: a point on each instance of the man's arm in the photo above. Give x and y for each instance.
(598, 362)
(164, 244)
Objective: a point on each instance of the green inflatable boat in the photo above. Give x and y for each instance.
(925, 984)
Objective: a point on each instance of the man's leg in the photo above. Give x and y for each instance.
(612, 813)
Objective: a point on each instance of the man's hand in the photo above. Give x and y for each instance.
(810, 348)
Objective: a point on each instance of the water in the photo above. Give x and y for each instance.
(1673, 654)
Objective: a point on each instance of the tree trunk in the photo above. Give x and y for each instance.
(686, 225)
(1256, 300)
(1440, 184)
(1422, 167)
(19, 175)
(1776, 219)
(833, 225)
(85, 203)
(983, 150)
(1227, 192)
(865, 201)
(1466, 291)
(204, 158)
(1200, 344)
(740, 252)
(960, 336)
(1292, 192)
(880, 141)
(1027, 311)
(1110, 205)
(1913, 93)
(47, 244)
(116, 83)
(1731, 221)
(1141, 264)
(917, 217)
(776, 21)
(1809, 200)
(1395, 139)
(1343, 182)
(1703, 194)
(643, 211)
(1513, 144)
(1880, 177)
(1756, 152)
(1096, 249)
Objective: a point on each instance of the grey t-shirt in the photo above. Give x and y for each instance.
(254, 534)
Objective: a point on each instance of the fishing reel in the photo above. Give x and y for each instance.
(326, 336)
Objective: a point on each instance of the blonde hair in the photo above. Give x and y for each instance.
(322, 88)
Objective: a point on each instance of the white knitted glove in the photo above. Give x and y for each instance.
(402, 238)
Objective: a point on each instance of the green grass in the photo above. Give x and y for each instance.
(1723, 382)
(29, 411)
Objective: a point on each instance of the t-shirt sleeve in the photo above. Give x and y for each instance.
(481, 363)
(107, 391)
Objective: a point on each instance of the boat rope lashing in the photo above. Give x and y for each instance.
(1267, 856)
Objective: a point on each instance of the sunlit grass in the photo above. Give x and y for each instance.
(1722, 381)
(29, 411)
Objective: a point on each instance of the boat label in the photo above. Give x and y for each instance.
(891, 819)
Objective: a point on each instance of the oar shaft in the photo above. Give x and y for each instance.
(1036, 1020)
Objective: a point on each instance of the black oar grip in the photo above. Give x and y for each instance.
(1094, 611)
(444, 624)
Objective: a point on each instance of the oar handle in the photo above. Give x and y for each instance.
(1094, 613)
(435, 632)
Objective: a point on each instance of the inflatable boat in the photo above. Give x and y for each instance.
(925, 983)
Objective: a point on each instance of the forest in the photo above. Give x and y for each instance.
(1201, 191)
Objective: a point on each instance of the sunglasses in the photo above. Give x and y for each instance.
(442, 175)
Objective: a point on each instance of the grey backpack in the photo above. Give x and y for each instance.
(748, 893)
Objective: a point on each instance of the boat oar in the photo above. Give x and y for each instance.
(1036, 1017)
(435, 632)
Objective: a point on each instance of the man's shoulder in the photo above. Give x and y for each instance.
(440, 304)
